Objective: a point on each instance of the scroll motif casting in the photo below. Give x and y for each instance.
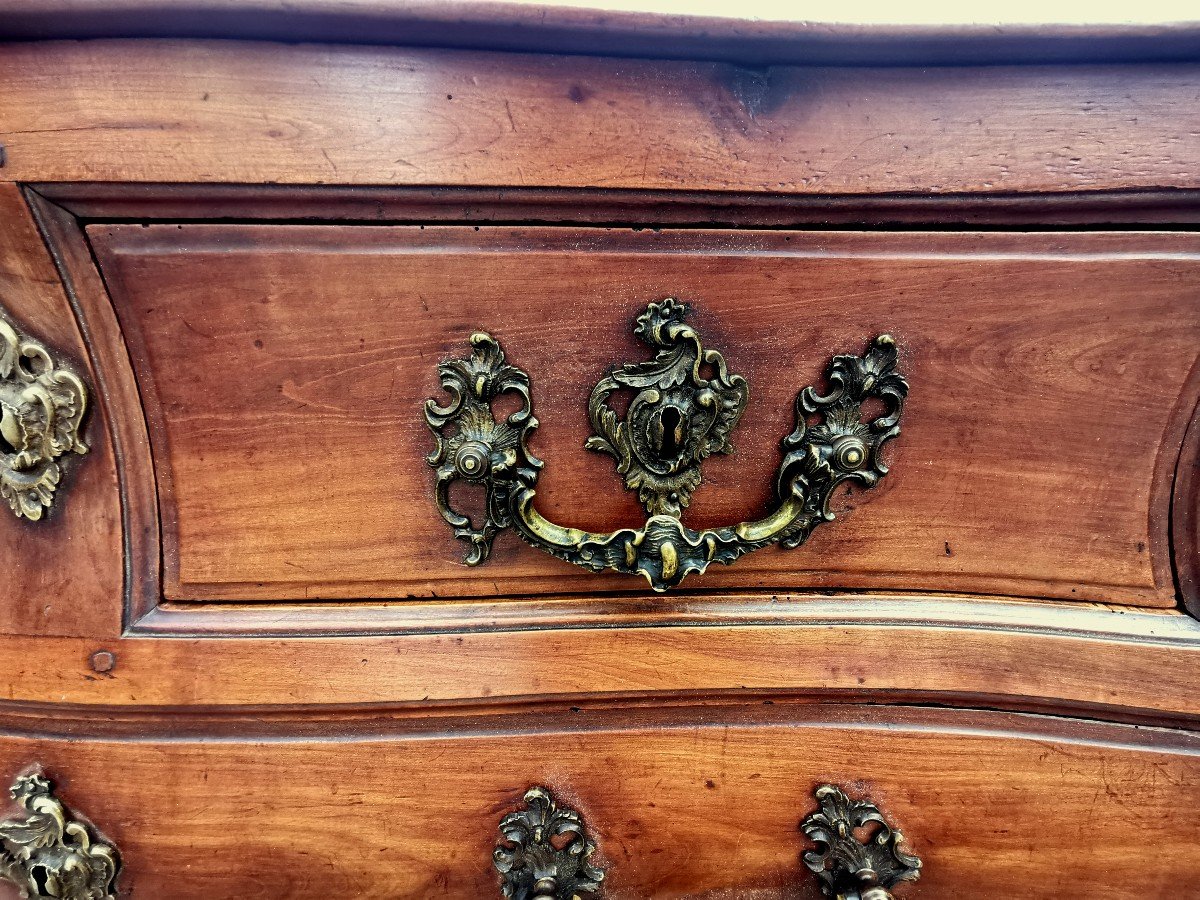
(851, 868)
(544, 852)
(677, 418)
(42, 406)
(49, 854)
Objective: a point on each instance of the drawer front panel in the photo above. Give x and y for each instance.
(284, 371)
(679, 804)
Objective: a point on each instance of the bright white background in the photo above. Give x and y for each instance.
(918, 12)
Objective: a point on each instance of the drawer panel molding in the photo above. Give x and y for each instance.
(677, 418)
(43, 404)
(241, 466)
(51, 852)
(858, 855)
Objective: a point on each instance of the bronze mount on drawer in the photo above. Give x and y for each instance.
(685, 405)
(851, 867)
(51, 854)
(544, 852)
(42, 404)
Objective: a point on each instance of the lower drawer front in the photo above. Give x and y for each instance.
(689, 803)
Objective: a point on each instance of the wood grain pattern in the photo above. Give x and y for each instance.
(64, 574)
(681, 805)
(275, 719)
(284, 371)
(244, 112)
(1137, 666)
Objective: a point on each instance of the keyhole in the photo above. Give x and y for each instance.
(40, 880)
(670, 422)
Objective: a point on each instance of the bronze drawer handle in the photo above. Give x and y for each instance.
(42, 405)
(851, 868)
(51, 854)
(677, 418)
(544, 851)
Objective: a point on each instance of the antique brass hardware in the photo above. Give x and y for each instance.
(677, 418)
(49, 853)
(852, 867)
(544, 851)
(42, 405)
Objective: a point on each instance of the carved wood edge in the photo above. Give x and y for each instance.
(1185, 518)
(747, 38)
(117, 389)
(110, 201)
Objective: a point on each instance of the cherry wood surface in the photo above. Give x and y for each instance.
(117, 394)
(244, 644)
(211, 111)
(63, 575)
(680, 803)
(1109, 663)
(284, 371)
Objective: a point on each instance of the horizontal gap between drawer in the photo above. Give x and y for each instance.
(1167, 208)
(549, 715)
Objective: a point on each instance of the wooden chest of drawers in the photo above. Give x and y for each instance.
(349, 385)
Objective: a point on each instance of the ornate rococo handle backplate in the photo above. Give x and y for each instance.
(677, 418)
(49, 853)
(544, 852)
(42, 405)
(855, 866)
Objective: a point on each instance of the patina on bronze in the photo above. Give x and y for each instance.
(544, 852)
(42, 405)
(863, 866)
(677, 418)
(51, 854)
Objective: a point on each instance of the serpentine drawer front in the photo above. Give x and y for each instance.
(456, 452)
(684, 803)
(284, 370)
